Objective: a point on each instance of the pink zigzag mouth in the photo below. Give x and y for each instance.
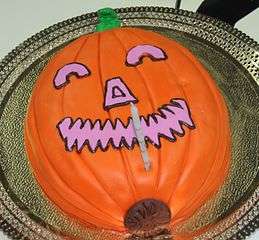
(167, 123)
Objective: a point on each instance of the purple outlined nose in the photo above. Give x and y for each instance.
(117, 94)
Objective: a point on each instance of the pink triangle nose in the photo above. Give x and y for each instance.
(117, 94)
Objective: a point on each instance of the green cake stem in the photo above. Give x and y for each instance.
(108, 19)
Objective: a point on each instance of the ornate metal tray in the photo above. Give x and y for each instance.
(231, 57)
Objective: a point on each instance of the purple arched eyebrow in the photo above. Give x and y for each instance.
(62, 76)
(136, 54)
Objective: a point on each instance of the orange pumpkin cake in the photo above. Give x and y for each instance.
(84, 145)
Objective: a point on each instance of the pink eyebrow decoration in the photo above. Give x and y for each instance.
(62, 76)
(136, 54)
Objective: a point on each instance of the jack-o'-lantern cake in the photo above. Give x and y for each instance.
(127, 131)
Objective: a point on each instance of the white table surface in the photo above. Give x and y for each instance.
(20, 19)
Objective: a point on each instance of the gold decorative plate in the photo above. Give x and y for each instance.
(231, 57)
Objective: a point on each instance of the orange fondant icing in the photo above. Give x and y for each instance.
(98, 187)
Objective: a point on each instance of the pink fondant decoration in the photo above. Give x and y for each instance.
(168, 122)
(62, 76)
(117, 94)
(135, 54)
